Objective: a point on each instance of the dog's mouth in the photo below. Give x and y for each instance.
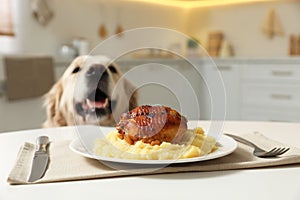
(97, 102)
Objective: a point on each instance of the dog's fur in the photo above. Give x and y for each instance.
(66, 101)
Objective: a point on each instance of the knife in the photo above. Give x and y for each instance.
(40, 159)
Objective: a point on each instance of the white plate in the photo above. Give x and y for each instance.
(87, 135)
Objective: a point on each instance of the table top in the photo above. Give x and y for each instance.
(266, 183)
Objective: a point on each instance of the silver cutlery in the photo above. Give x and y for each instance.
(259, 152)
(40, 160)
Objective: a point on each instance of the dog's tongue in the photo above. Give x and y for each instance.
(97, 104)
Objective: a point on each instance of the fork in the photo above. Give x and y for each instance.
(276, 151)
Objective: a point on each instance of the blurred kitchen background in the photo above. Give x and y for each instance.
(254, 43)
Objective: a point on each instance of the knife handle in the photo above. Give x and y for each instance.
(42, 143)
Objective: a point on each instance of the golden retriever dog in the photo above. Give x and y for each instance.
(91, 91)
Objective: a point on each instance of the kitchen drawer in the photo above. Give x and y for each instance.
(287, 72)
(269, 115)
(271, 95)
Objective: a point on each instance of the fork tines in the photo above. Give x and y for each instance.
(277, 151)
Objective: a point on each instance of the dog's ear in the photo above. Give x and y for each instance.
(131, 92)
(51, 103)
(133, 101)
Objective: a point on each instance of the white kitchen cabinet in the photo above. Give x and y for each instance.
(21, 114)
(230, 78)
(256, 89)
(169, 82)
(284, 73)
(261, 114)
(270, 92)
(271, 95)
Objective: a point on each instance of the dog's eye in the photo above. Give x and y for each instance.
(77, 69)
(112, 69)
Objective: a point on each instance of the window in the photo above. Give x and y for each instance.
(6, 23)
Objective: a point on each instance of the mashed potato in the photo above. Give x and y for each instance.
(195, 143)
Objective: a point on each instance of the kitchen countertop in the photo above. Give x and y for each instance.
(232, 60)
(264, 183)
(229, 60)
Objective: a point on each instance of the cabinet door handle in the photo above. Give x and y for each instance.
(278, 120)
(281, 96)
(282, 73)
(224, 68)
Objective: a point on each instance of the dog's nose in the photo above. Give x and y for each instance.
(95, 70)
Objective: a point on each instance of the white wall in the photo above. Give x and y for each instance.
(241, 26)
(73, 18)
(81, 18)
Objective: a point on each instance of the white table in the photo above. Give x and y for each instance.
(267, 183)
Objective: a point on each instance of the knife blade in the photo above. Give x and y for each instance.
(40, 159)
